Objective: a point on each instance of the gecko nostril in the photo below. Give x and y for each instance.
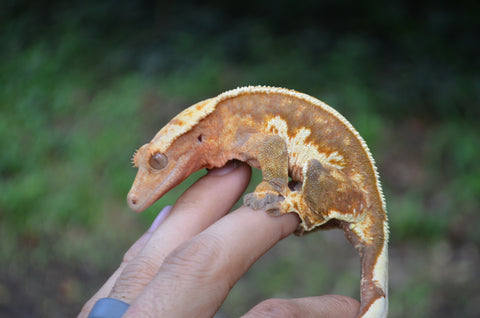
(135, 202)
(132, 199)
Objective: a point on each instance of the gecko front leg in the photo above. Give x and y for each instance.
(272, 157)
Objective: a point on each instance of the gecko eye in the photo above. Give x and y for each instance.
(158, 161)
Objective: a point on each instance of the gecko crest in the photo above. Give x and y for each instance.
(182, 123)
(135, 159)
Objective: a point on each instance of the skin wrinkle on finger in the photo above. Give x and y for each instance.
(240, 238)
(209, 251)
(326, 306)
(206, 249)
(193, 212)
(273, 308)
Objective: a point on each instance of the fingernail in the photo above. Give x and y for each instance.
(160, 218)
(229, 167)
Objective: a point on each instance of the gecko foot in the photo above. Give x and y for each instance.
(270, 202)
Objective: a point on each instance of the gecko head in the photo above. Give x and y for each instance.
(174, 153)
(158, 172)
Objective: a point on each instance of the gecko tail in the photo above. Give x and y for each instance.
(374, 262)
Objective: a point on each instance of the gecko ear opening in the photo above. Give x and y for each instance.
(158, 161)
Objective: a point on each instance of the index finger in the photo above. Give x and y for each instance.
(202, 271)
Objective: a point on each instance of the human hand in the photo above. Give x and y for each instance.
(186, 265)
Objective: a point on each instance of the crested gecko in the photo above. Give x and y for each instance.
(313, 162)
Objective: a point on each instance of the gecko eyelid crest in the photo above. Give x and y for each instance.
(158, 161)
(134, 159)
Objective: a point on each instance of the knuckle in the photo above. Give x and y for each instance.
(143, 265)
(200, 257)
(273, 308)
(136, 275)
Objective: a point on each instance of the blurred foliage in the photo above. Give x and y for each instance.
(83, 84)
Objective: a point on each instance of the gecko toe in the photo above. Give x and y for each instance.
(267, 201)
(274, 209)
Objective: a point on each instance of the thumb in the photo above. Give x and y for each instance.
(327, 306)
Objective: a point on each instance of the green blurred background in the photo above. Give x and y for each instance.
(85, 83)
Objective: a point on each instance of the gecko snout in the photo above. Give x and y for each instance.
(132, 200)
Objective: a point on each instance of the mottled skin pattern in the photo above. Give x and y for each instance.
(285, 134)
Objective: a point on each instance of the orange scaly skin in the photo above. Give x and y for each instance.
(285, 134)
